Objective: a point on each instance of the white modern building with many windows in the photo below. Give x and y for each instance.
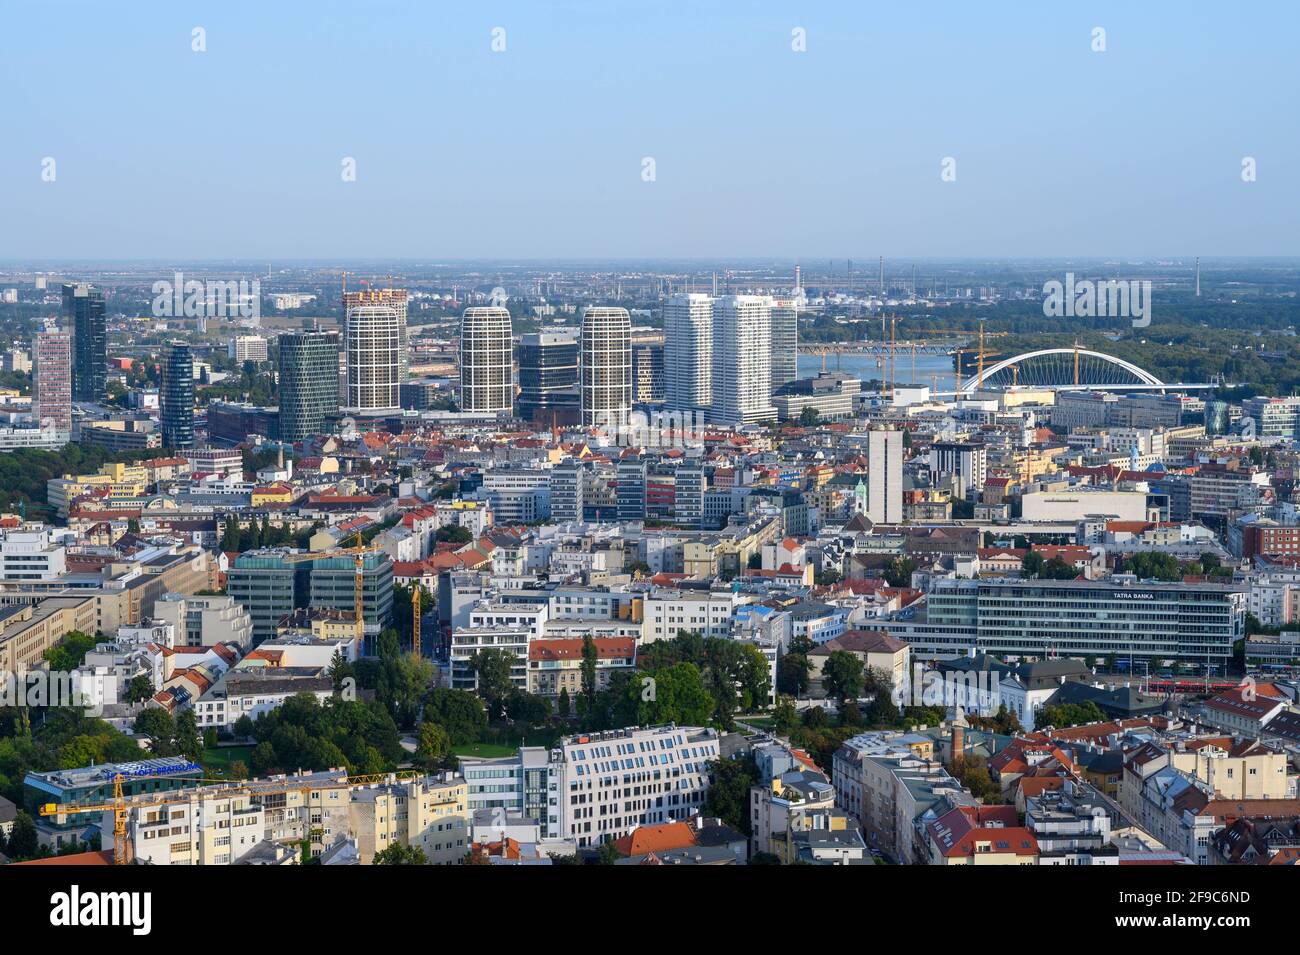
(605, 366)
(688, 352)
(486, 360)
(598, 787)
(742, 360)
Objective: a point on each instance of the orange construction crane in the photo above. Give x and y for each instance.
(121, 807)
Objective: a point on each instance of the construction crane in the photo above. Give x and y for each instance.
(121, 808)
(358, 553)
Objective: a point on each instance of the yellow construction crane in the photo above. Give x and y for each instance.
(359, 553)
(121, 808)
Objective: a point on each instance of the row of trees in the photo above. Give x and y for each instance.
(305, 733)
(237, 539)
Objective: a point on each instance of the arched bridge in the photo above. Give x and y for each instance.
(1062, 368)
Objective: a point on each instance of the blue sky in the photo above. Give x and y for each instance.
(536, 152)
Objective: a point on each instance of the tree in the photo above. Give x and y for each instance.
(433, 747)
(974, 775)
(188, 740)
(674, 694)
(898, 571)
(589, 661)
(1069, 714)
(842, 676)
(815, 717)
(453, 533)
(1058, 569)
(401, 679)
(23, 840)
(139, 689)
(459, 712)
(340, 670)
(1149, 564)
(493, 667)
(70, 652)
(792, 674)
(608, 853)
(565, 708)
(784, 715)
(808, 417)
(155, 723)
(262, 759)
(728, 796)
(883, 710)
(244, 726)
(398, 854)
(528, 708)
(1032, 564)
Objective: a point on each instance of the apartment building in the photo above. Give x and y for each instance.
(430, 813)
(698, 611)
(28, 630)
(556, 665)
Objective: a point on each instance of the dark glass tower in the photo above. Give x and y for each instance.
(548, 373)
(309, 389)
(83, 313)
(176, 397)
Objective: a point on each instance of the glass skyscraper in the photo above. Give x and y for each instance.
(548, 373)
(309, 362)
(176, 397)
(83, 313)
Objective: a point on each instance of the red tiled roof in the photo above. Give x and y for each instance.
(661, 838)
(571, 648)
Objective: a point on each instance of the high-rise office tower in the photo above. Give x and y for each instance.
(486, 360)
(742, 360)
(785, 342)
(52, 380)
(309, 369)
(374, 340)
(606, 365)
(176, 396)
(548, 375)
(83, 315)
(885, 475)
(688, 352)
(647, 372)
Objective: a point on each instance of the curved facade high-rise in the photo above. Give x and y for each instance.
(605, 372)
(486, 360)
(374, 340)
(309, 393)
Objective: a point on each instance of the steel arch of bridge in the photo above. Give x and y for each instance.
(1143, 376)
